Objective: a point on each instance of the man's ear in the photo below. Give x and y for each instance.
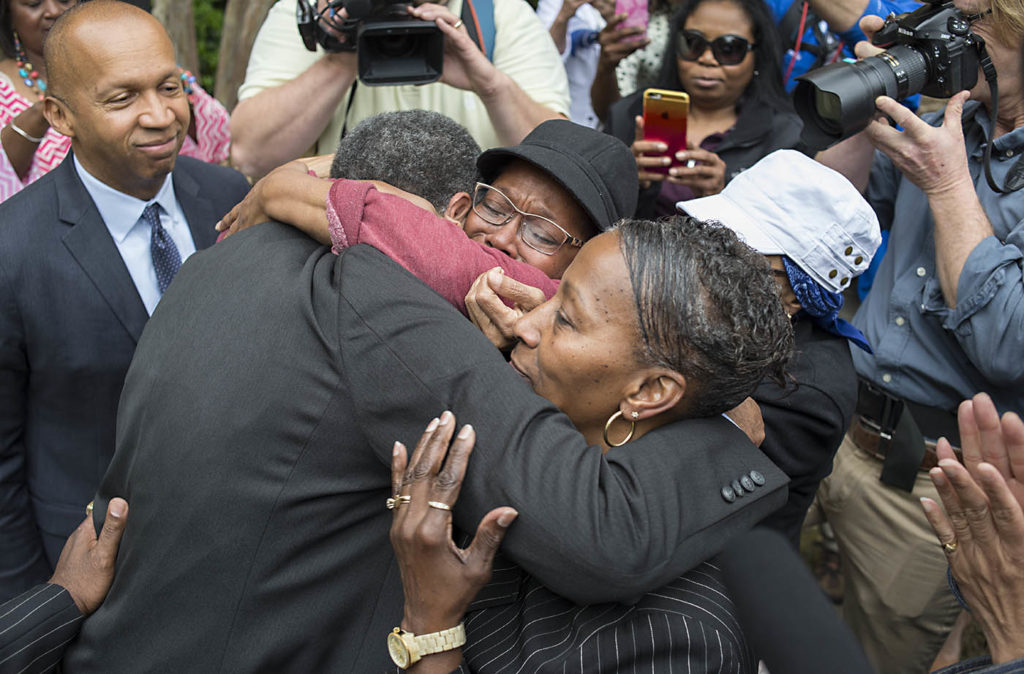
(59, 116)
(660, 391)
(458, 208)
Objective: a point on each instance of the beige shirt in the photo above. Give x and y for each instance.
(523, 50)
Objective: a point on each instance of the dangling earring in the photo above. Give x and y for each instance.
(629, 436)
(26, 72)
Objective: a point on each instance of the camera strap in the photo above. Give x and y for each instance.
(793, 26)
(478, 17)
(1014, 180)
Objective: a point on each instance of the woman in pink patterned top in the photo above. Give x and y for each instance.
(29, 148)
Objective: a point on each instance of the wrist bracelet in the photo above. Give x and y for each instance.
(24, 134)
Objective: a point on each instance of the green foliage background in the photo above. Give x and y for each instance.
(209, 16)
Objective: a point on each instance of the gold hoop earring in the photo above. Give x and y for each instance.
(629, 436)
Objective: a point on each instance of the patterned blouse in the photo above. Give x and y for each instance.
(211, 122)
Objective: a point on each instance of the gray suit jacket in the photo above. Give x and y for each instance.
(254, 438)
(69, 321)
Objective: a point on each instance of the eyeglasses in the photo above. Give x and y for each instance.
(536, 231)
(728, 50)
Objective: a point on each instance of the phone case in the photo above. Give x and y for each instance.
(665, 120)
(638, 15)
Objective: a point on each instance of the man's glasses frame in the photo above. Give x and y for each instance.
(533, 229)
(728, 50)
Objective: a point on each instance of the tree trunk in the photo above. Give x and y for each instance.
(178, 19)
(242, 20)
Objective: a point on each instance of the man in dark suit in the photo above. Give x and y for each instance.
(85, 254)
(254, 439)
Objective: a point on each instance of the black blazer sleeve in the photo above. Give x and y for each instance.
(36, 627)
(593, 527)
(22, 559)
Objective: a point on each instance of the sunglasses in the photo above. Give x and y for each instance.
(728, 50)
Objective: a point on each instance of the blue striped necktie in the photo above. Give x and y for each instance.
(166, 258)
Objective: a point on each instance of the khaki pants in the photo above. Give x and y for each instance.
(897, 601)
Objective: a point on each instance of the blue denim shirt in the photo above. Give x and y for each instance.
(925, 351)
(983, 665)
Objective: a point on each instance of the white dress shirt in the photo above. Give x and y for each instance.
(122, 215)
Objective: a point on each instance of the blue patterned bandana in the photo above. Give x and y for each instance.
(821, 305)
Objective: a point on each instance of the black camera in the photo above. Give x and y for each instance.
(392, 46)
(930, 50)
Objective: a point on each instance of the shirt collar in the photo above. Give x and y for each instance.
(976, 113)
(121, 211)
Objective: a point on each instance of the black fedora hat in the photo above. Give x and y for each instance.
(598, 170)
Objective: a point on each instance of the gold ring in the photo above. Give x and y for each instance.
(88, 510)
(439, 505)
(396, 501)
(458, 24)
(950, 548)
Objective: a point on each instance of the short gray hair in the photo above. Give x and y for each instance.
(418, 151)
(708, 308)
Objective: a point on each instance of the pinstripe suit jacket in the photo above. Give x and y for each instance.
(687, 625)
(36, 627)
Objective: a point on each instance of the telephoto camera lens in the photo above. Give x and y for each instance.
(838, 100)
(930, 50)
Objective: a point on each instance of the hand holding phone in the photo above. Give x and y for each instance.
(664, 121)
(648, 155)
(637, 16)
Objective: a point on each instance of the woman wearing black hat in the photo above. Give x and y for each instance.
(563, 184)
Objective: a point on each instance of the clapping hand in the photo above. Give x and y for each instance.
(982, 528)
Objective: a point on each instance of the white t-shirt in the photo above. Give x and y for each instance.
(580, 58)
(523, 50)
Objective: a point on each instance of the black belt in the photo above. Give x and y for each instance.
(885, 411)
(905, 427)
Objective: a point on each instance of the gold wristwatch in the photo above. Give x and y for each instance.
(406, 648)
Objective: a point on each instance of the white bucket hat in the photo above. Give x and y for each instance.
(789, 204)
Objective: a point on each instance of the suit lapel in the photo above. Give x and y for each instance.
(90, 243)
(198, 209)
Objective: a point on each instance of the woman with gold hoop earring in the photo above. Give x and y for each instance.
(629, 435)
(624, 348)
